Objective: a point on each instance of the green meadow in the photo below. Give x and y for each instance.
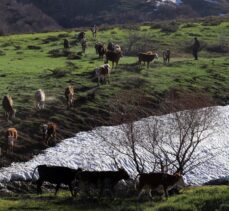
(190, 199)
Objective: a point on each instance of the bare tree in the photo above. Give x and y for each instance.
(125, 108)
(186, 130)
(167, 144)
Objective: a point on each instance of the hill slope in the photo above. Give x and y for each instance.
(18, 17)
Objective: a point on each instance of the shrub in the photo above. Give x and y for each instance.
(59, 53)
(59, 72)
(189, 25)
(217, 48)
(169, 27)
(33, 47)
(2, 53)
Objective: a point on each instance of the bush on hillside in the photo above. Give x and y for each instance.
(212, 21)
(169, 27)
(33, 47)
(58, 73)
(216, 48)
(55, 53)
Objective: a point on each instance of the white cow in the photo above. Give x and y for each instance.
(40, 99)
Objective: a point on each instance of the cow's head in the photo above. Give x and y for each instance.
(124, 174)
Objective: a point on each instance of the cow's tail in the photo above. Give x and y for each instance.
(136, 182)
(33, 174)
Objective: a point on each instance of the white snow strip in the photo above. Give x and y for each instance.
(86, 150)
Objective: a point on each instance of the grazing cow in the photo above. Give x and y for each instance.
(103, 72)
(83, 45)
(155, 181)
(40, 99)
(147, 57)
(101, 180)
(49, 132)
(66, 44)
(7, 104)
(114, 57)
(69, 94)
(166, 56)
(11, 136)
(81, 36)
(100, 49)
(56, 175)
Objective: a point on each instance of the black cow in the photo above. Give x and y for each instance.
(101, 180)
(56, 175)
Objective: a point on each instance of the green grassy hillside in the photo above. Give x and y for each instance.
(191, 199)
(26, 66)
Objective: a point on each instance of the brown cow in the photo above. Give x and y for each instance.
(114, 57)
(155, 181)
(103, 72)
(7, 104)
(49, 132)
(11, 137)
(69, 94)
(166, 56)
(147, 57)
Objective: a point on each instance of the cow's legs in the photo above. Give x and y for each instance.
(71, 189)
(140, 194)
(147, 64)
(57, 188)
(166, 193)
(39, 184)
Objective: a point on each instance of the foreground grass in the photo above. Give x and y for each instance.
(24, 69)
(191, 199)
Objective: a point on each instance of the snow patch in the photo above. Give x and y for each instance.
(86, 150)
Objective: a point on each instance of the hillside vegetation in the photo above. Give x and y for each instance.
(33, 61)
(191, 199)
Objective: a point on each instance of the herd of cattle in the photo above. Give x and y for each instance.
(112, 52)
(80, 181)
(84, 180)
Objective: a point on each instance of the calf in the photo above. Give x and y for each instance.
(166, 56)
(147, 57)
(101, 180)
(103, 72)
(100, 49)
(69, 94)
(11, 136)
(7, 104)
(40, 99)
(49, 132)
(155, 181)
(56, 175)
